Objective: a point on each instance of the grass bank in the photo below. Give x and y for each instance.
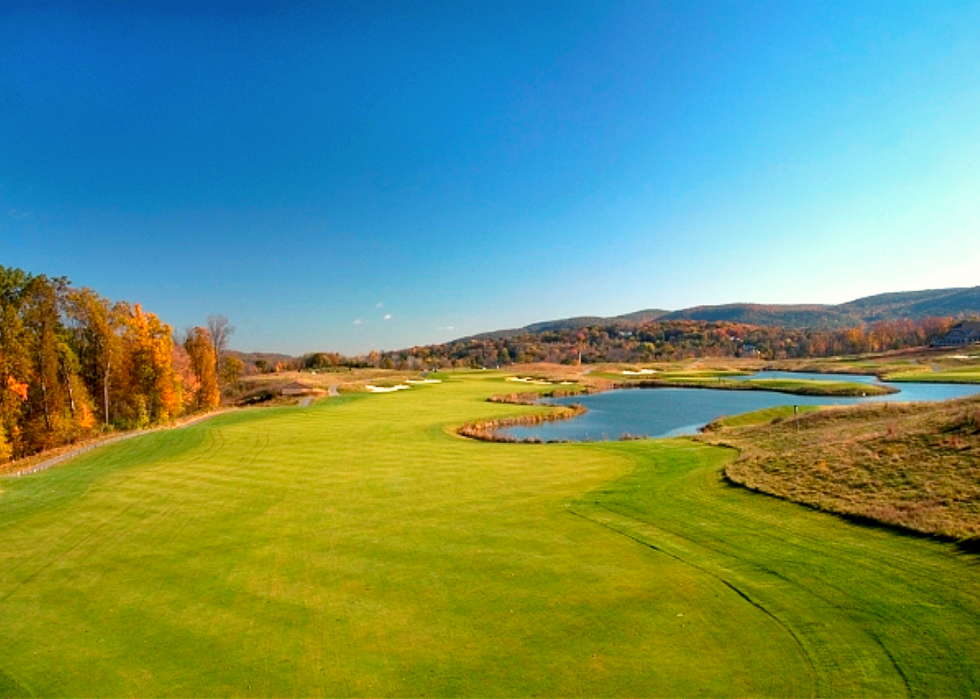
(971, 375)
(759, 417)
(801, 387)
(921, 364)
(914, 466)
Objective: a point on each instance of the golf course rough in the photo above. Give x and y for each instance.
(358, 547)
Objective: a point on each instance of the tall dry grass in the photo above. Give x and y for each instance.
(911, 466)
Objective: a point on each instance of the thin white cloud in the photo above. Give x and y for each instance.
(358, 322)
(379, 304)
(387, 316)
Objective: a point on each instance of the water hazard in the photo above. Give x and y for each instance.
(669, 412)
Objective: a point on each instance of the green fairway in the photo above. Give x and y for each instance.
(874, 613)
(722, 380)
(805, 387)
(759, 417)
(967, 375)
(360, 548)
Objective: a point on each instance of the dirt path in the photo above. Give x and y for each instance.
(306, 402)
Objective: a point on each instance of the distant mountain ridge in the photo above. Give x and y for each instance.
(911, 305)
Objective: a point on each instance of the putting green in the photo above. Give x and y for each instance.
(357, 547)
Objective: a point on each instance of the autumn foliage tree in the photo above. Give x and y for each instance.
(73, 362)
(231, 369)
(152, 390)
(94, 324)
(200, 350)
(43, 402)
(15, 364)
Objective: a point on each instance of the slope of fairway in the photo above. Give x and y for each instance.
(359, 548)
(875, 613)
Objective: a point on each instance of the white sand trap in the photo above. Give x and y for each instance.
(641, 372)
(528, 379)
(416, 381)
(387, 389)
(958, 356)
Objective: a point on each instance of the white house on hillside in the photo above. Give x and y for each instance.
(965, 333)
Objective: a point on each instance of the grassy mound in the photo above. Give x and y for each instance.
(914, 466)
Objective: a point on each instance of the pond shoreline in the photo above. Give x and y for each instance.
(489, 430)
(682, 412)
(842, 389)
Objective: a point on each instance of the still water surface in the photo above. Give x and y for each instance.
(669, 412)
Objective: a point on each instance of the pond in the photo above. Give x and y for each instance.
(670, 412)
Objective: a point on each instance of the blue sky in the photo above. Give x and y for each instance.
(349, 176)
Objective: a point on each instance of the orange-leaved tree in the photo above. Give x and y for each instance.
(153, 393)
(95, 327)
(200, 349)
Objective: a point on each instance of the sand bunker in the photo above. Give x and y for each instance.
(536, 382)
(417, 381)
(627, 372)
(387, 389)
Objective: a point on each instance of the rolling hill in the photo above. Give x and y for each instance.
(913, 305)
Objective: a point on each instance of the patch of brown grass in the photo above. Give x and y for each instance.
(911, 466)
(489, 430)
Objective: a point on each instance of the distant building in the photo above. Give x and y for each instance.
(300, 389)
(965, 333)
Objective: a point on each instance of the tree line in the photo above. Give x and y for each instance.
(73, 364)
(648, 341)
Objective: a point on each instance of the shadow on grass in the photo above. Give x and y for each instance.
(969, 546)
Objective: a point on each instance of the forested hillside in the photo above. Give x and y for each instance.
(872, 324)
(916, 304)
(650, 341)
(904, 305)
